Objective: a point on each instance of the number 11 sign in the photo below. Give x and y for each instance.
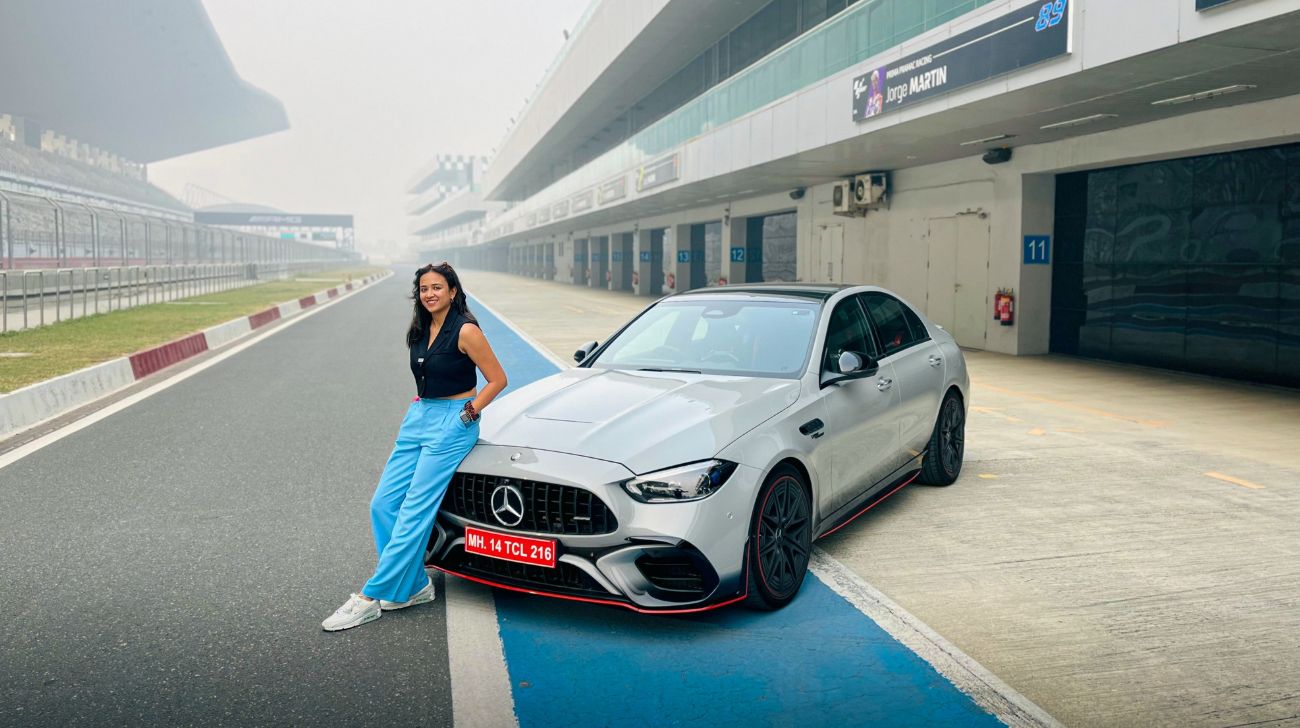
(1038, 249)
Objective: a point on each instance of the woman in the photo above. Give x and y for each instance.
(441, 426)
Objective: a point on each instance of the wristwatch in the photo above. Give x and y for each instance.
(469, 414)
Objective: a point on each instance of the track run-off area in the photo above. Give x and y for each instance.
(169, 564)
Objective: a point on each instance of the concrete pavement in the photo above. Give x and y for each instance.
(171, 561)
(1121, 546)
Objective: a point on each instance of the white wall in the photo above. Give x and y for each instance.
(890, 247)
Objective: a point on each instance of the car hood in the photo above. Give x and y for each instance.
(642, 420)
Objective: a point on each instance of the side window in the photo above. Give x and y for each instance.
(847, 331)
(919, 332)
(890, 317)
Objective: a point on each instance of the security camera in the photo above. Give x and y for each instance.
(797, 193)
(997, 156)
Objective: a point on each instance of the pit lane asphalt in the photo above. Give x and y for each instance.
(170, 564)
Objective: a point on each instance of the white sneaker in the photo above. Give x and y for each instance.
(357, 611)
(424, 595)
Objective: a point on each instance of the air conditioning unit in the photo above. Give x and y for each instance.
(842, 199)
(871, 190)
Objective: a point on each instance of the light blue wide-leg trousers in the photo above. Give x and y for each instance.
(431, 444)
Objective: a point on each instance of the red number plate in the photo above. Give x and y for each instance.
(508, 547)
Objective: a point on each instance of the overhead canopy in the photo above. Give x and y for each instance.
(146, 79)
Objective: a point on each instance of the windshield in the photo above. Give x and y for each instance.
(713, 335)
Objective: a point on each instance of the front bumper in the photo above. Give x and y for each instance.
(661, 557)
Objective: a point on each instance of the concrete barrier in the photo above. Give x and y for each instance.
(33, 404)
(223, 334)
(23, 408)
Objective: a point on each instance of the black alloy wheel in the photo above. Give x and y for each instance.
(780, 540)
(947, 448)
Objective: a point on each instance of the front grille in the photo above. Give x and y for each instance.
(548, 507)
(565, 578)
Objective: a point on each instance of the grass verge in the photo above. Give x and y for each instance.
(78, 343)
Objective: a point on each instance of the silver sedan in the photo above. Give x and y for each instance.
(691, 460)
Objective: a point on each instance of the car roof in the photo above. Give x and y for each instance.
(818, 291)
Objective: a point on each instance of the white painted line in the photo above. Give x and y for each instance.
(480, 683)
(524, 335)
(969, 676)
(19, 453)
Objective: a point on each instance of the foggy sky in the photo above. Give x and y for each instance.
(373, 90)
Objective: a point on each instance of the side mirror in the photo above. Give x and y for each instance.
(585, 351)
(852, 365)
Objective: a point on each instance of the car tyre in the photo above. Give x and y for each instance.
(780, 540)
(947, 447)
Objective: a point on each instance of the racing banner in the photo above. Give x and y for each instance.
(1021, 38)
(615, 189)
(273, 219)
(656, 173)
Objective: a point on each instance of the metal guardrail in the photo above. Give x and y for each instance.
(30, 293)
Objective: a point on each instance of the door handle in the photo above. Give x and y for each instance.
(884, 383)
(812, 426)
(936, 361)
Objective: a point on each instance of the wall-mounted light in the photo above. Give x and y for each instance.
(1078, 122)
(986, 140)
(1203, 95)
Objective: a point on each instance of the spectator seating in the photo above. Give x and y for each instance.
(24, 161)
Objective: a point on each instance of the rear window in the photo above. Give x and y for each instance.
(897, 325)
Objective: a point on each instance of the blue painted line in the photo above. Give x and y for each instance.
(818, 662)
(523, 364)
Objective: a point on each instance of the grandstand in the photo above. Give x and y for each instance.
(24, 169)
(149, 80)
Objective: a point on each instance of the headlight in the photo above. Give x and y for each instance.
(682, 483)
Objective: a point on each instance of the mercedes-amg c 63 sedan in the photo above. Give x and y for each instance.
(691, 460)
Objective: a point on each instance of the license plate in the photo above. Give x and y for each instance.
(508, 547)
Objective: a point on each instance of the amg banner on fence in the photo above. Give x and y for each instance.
(272, 219)
(1021, 38)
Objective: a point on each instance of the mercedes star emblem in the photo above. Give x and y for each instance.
(508, 505)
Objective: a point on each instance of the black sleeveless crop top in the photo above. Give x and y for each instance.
(442, 370)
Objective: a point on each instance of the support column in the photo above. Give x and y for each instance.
(564, 260)
(642, 253)
(734, 249)
(1034, 298)
(600, 274)
(580, 269)
(680, 261)
(648, 270)
(620, 257)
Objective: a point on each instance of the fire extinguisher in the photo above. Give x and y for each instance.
(1004, 306)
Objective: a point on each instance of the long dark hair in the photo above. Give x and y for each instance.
(420, 317)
